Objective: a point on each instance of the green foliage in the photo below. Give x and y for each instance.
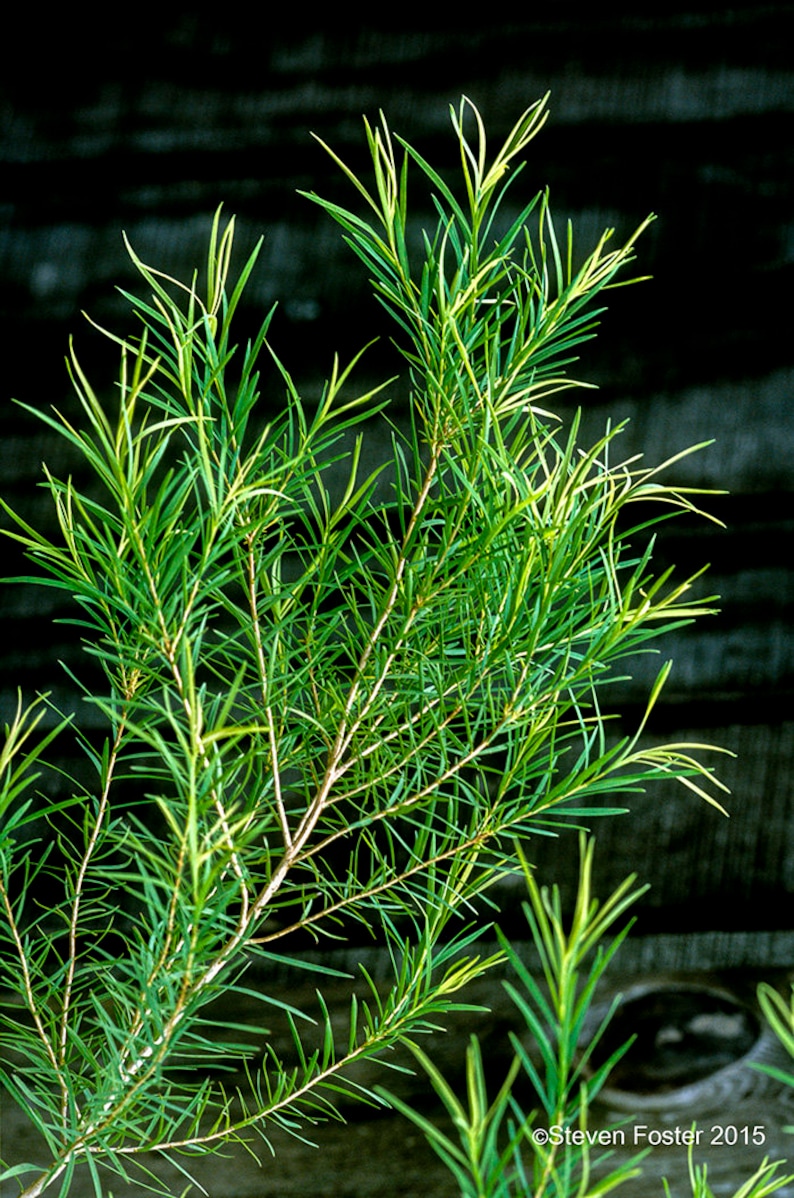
(321, 714)
(504, 1150)
(765, 1181)
(779, 1015)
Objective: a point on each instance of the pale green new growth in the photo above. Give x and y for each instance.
(320, 714)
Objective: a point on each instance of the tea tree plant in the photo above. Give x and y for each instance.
(502, 1150)
(321, 714)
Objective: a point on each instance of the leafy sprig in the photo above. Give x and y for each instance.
(333, 716)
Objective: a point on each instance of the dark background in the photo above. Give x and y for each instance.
(683, 109)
